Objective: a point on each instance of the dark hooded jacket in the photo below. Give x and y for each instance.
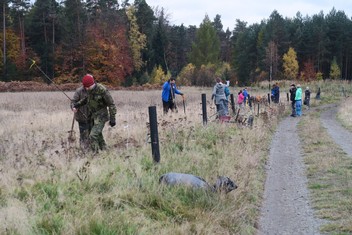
(293, 94)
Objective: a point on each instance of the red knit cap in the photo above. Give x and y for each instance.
(87, 80)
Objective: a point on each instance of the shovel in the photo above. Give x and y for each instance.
(184, 105)
(72, 133)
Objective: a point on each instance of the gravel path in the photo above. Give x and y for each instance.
(340, 135)
(286, 208)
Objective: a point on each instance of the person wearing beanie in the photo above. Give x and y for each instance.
(102, 109)
(82, 116)
(87, 81)
(168, 95)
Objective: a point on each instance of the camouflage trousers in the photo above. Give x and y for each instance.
(84, 130)
(96, 138)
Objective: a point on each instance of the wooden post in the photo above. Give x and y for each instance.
(249, 102)
(154, 133)
(232, 104)
(318, 94)
(238, 113)
(204, 109)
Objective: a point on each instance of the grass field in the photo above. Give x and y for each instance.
(344, 113)
(52, 187)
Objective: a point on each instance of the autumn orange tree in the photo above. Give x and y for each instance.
(308, 73)
(107, 50)
(107, 55)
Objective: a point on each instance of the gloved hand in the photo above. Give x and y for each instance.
(75, 105)
(112, 122)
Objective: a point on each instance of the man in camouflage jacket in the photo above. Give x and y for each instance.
(102, 109)
(82, 116)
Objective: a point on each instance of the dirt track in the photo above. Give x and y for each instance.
(286, 208)
(340, 135)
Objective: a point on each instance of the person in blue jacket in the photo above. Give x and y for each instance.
(275, 93)
(245, 95)
(168, 95)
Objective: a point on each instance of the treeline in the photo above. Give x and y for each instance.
(124, 43)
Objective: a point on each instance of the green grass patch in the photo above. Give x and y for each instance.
(329, 176)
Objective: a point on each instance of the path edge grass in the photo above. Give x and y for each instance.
(329, 174)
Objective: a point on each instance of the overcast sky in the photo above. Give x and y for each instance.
(192, 12)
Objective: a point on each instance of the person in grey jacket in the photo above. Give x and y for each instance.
(220, 98)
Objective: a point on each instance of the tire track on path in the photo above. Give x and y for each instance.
(286, 207)
(340, 135)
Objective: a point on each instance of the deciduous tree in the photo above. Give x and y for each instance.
(290, 64)
(272, 60)
(136, 39)
(308, 73)
(335, 72)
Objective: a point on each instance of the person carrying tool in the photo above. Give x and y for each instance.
(82, 116)
(168, 95)
(102, 109)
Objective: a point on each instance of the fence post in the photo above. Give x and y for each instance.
(153, 121)
(258, 109)
(269, 98)
(249, 102)
(204, 109)
(232, 104)
(318, 94)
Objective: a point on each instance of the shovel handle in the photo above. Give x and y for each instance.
(73, 122)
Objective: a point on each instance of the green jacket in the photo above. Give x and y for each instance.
(83, 113)
(100, 103)
(298, 94)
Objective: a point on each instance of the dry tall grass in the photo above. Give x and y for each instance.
(344, 113)
(49, 186)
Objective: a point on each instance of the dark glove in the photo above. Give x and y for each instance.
(112, 123)
(75, 105)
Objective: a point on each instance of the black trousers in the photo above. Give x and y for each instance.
(168, 105)
(293, 105)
